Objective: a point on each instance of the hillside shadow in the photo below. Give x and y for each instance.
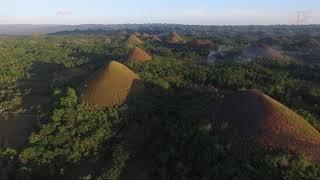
(45, 78)
(39, 85)
(96, 60)
(153, 113)
(16, 127)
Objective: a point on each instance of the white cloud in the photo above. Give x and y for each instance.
(63, 12)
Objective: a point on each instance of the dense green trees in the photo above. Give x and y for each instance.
(164, 128)
(75, 132)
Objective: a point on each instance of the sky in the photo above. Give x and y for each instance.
(204, 12)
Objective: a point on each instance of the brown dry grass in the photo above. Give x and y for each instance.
(310, 43)
(133, 41)
(137, 34)
(175, 38)
(256, 120)
(145, 35)
(262, 51)
(269, 52)
(269, 41)
(138, 56)
(156, 38)
(203, 43)
(122, 33)
(108, 40)
(110, 86)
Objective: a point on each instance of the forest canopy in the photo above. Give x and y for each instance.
(169, 130)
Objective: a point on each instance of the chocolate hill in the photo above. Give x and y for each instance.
(145, 35)
(312, 43)
(270, 41)
(133, 41)
(122, 33)
(137, 34)
(138, 55)
(245, 37)
(309, 43)
(261, 51)
(110, 86)
(202, 43)
(155, 38)
(256, 121)
(108, 40)
(175, 38)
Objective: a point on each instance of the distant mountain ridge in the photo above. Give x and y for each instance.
(27, 29)
(156, 28)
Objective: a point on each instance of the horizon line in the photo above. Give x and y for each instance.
(57, 24)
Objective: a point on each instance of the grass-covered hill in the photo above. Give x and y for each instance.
(110, 86)
(254, 120)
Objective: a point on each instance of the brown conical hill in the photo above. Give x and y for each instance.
(175, 38)
(145, 35)
(256, 120)
(107, 40)
(138, 56)
(270, 41)
(121, 33)
(313, 43)
(156, 38)
(202, 43)
(133, 41)
(137, 34)
(244, 38)
(261, 51)
(309, 43)
(110, 86)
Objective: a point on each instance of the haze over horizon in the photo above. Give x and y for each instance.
(204, 12)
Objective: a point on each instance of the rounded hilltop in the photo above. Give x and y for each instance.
(133, 41)
(175, 38)
(112, 85)
(309, 43)
(145, 35)
(256, 121)
(138, 55)
(201, 43)
(261, 51)
(155, 38)
(270, 41)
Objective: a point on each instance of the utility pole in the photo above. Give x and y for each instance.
(299, 17)
(303, 17)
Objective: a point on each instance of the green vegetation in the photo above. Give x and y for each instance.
(162, 133)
